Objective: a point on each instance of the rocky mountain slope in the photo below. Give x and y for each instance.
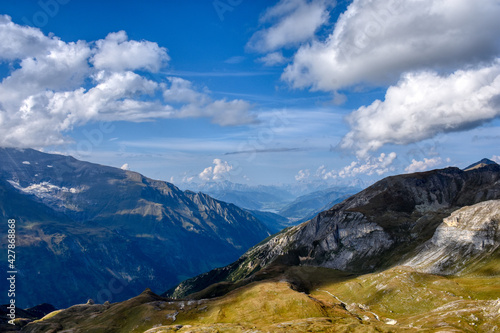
(374, 229)
(467, 235)
(91, 231)
(384, 243)
(282, 298)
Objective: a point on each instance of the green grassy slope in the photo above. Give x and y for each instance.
(308, 299)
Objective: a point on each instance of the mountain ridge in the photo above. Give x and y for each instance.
(108, 232)
(283, 284)
(373, 229)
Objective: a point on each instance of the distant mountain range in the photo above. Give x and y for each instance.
(279, 206)
(260, 197)
(307, 206)
(303, 208)
(411, 253)
(91, 231)
(271, 198)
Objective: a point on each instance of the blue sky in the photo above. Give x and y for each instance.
(258, 92)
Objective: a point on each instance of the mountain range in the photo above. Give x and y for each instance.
(374, 229)
(277, 198)
(412, 253)
(279, 206)
(90, 231)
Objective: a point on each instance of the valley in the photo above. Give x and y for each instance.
(411, 253)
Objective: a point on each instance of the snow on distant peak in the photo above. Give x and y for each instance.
(45, 189)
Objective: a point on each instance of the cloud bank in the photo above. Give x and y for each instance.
(426, 164)
(439, 60)
(54, 86)
(367, 166)
(374, 41)
(425, 104)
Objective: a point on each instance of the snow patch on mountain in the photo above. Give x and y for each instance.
(46, 189)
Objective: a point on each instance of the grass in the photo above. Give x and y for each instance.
(260, 303)
(48, 315)
(310, 299)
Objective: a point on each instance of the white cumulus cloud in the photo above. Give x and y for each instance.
(22, 41)
(425, 104)
(426, 164)
(199, 104)
(322, 173)
(374, 41)
(117, 53)
(369, 166)
(218, 171)
(53, 86)
(273, 59)
(182, 91)
(302, 175)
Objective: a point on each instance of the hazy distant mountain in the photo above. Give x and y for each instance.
(267, 197)
(307, 206)
(258, 197)
(289, 204)
(272, 221)
(91, 231)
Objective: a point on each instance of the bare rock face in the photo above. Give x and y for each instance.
(466, 235)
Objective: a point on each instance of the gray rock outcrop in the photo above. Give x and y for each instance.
(466, 235)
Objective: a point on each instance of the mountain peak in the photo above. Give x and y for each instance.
(480, 164)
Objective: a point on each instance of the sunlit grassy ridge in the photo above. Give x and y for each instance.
(309, 299)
